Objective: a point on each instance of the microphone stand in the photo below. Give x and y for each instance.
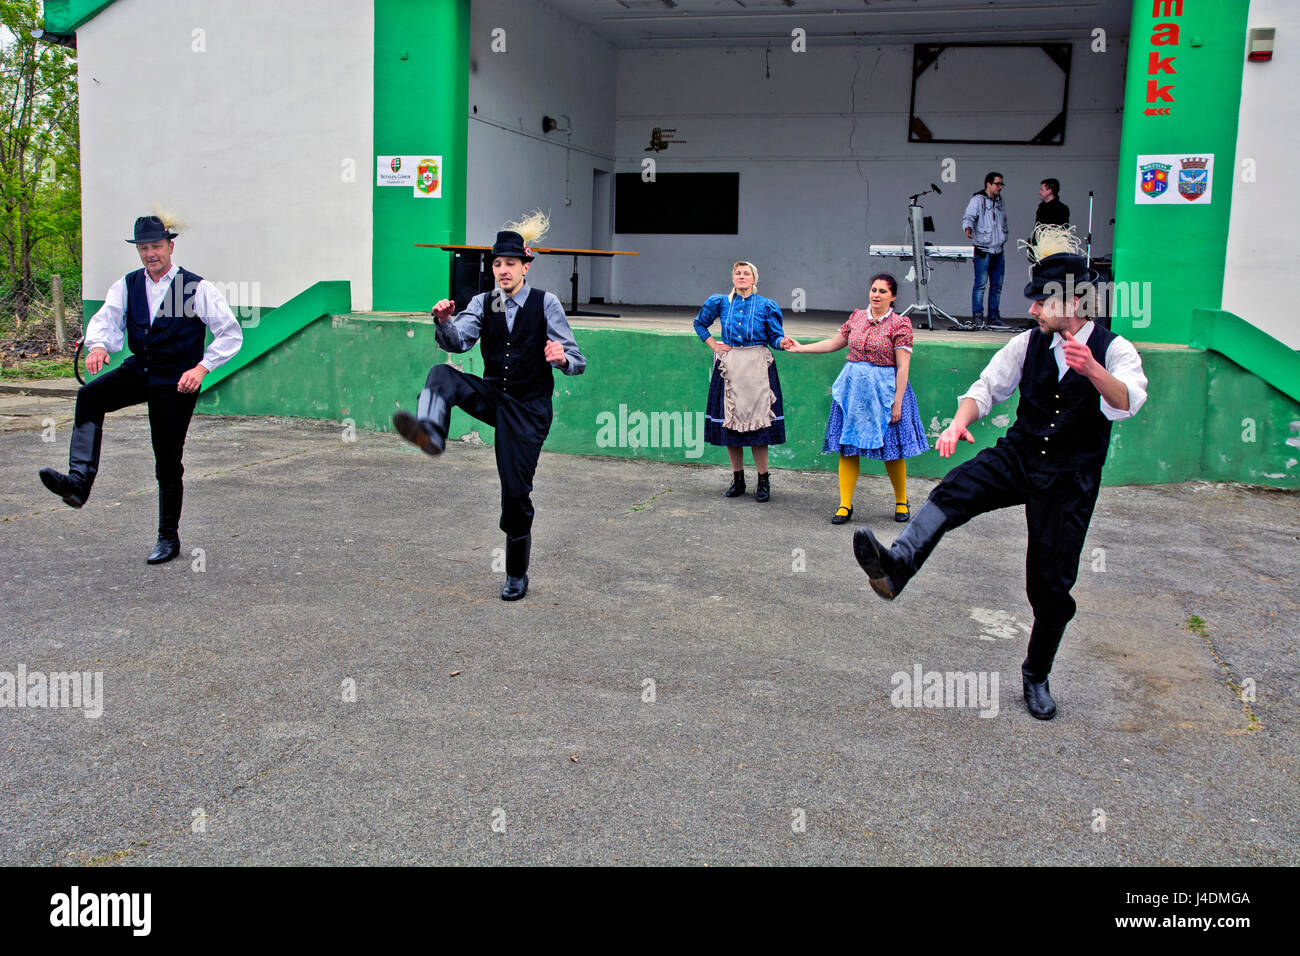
(1089, 256)
(923, 305)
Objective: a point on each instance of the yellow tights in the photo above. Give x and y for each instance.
(850, 467)
(897, 471)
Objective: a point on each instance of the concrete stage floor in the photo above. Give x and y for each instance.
(313, 564)
(814, 323)
(677, 318)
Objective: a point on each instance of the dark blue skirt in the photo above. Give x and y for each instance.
(715, 413)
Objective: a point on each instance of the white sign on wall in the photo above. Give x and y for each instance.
(421, 172)
(1170, 179)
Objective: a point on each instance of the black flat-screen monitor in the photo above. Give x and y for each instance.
(678, 203)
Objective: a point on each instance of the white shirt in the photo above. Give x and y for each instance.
(107, 328)
(1001, 376)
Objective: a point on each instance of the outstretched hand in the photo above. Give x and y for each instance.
(790, 345)
(949, 437)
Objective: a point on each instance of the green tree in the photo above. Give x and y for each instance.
(40, 174)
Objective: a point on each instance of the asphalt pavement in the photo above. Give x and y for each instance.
(328, 675)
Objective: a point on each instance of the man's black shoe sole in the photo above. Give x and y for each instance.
(408, 426)
(56, 483)
(867, 550)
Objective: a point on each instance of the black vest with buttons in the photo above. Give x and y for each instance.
(173, 343)
(515, 361)
(1059, 425)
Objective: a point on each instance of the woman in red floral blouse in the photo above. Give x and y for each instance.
(873, 408)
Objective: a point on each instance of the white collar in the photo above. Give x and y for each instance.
(171, 274)
(1081, 336)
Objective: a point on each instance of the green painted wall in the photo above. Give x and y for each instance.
(1249, 346)
(1180, 250)
(270, 327)
(65, 16)
(421, 106)
(363, 368)
(1252, 430)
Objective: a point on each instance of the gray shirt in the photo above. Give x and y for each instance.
(460, 334)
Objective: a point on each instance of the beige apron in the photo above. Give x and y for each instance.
(747, 392)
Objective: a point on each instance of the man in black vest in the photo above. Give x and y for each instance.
(163, 312)
(1075, 378)
(524, 336)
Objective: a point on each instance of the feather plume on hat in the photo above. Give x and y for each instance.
(170, 220)
(532, 228)
(1050, 241)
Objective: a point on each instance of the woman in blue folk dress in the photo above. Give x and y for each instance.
(744, 406)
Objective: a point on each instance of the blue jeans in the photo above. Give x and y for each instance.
(991, 268)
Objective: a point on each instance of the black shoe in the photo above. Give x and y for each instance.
(414, 431)
(902, 514)
(1038, 698)
(868, 552)
(838, 518)
(997, 325)
(764, 491)
(63, 486)
(737, 485)
(165, 550)
(518, 551)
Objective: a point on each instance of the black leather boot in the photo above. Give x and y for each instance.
(427, 428)
(1038, 697)
(764, 491)
(169, 520)
(1044, 640)
(889, 569)
(83, 464)
(737, 485)
(517, 552)
(63, 486)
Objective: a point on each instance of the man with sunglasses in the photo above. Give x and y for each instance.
(985, 223)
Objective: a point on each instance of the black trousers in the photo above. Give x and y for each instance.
(169, 421)
(521, 429)
(1058, 508)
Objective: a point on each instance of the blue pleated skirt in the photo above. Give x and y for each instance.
(861, 399)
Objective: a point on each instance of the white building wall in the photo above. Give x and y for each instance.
(241, 119)
(1261, 261)
(820, 141)
(551, 66)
